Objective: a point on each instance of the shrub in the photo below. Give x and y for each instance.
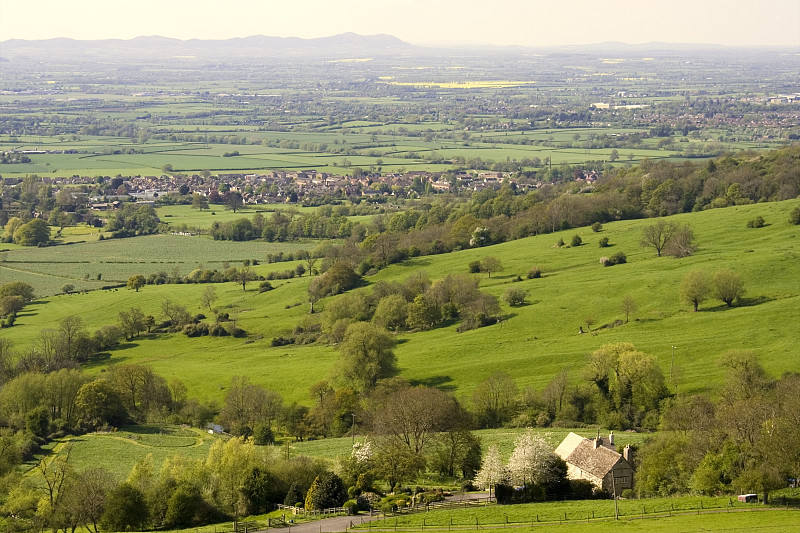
(326, 491)
(503, 493)
(603, 242)
(534, 273)
(474, 267)
(616, 259)
(560, 243)
(619, 258)
(576, 241)
(294, 495)
(757, 222)
(281, 341)
(265, 286)
(263, 435)
(351, 506)
(514, 296)
(794, 216)
(596, 227)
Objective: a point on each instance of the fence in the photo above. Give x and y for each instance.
(332, 511)
(433, 506)
(474, 523)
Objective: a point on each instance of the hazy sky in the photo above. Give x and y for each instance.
(500, 22)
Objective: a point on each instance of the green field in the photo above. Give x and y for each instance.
(533, 342)
(115, 260)
(117, 452)
(663, 514)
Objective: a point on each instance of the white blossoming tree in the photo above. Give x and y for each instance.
(492, 470)
(362, 452)
(528, 461)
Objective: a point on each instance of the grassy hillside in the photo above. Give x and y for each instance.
(533, 343)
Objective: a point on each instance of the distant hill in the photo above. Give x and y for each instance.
(343, 45)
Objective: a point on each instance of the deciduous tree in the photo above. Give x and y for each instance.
(366, 354)
(136, 282)
(694, 288)
(728, 286)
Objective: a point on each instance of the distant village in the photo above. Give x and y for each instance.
(280, 187)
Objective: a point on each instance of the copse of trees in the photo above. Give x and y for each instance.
(132, 220)
(746, 441)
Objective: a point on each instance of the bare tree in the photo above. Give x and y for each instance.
(208, 297)
(243, 275)
(658, 235)
(628, 306)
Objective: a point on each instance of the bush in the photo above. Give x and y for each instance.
(757, 222)
(281, 341)
(514, 296)
(503, 493)
(265, 286)
(326, 491)
(616, 259)
(560, 243)
(351, 506)
(474, 267)
(794, 216)
(619, 258)
(576, 241)
(263, 435)
(581, 489)
(596, 227)
(534, 273)
(603, 242)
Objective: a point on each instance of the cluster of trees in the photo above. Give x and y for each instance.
(235, 479)
(725, 284)
(287, 226)
(132, 220)
(415, 304)
(619, 387)
(32, 233)
(747, 440)
(14, 297)
(534, 468)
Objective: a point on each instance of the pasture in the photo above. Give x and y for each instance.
(533, 342)
(93, 264)
(657, 514)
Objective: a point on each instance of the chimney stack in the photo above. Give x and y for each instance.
(627, 453)
(611, 438)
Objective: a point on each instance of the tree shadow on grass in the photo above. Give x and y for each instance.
(742, 302)
(755, 300)
(438, 382)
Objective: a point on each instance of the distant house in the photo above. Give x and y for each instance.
(596, 460)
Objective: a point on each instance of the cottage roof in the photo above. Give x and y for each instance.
(597, 460)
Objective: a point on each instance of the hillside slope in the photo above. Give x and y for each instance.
(533, 343)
